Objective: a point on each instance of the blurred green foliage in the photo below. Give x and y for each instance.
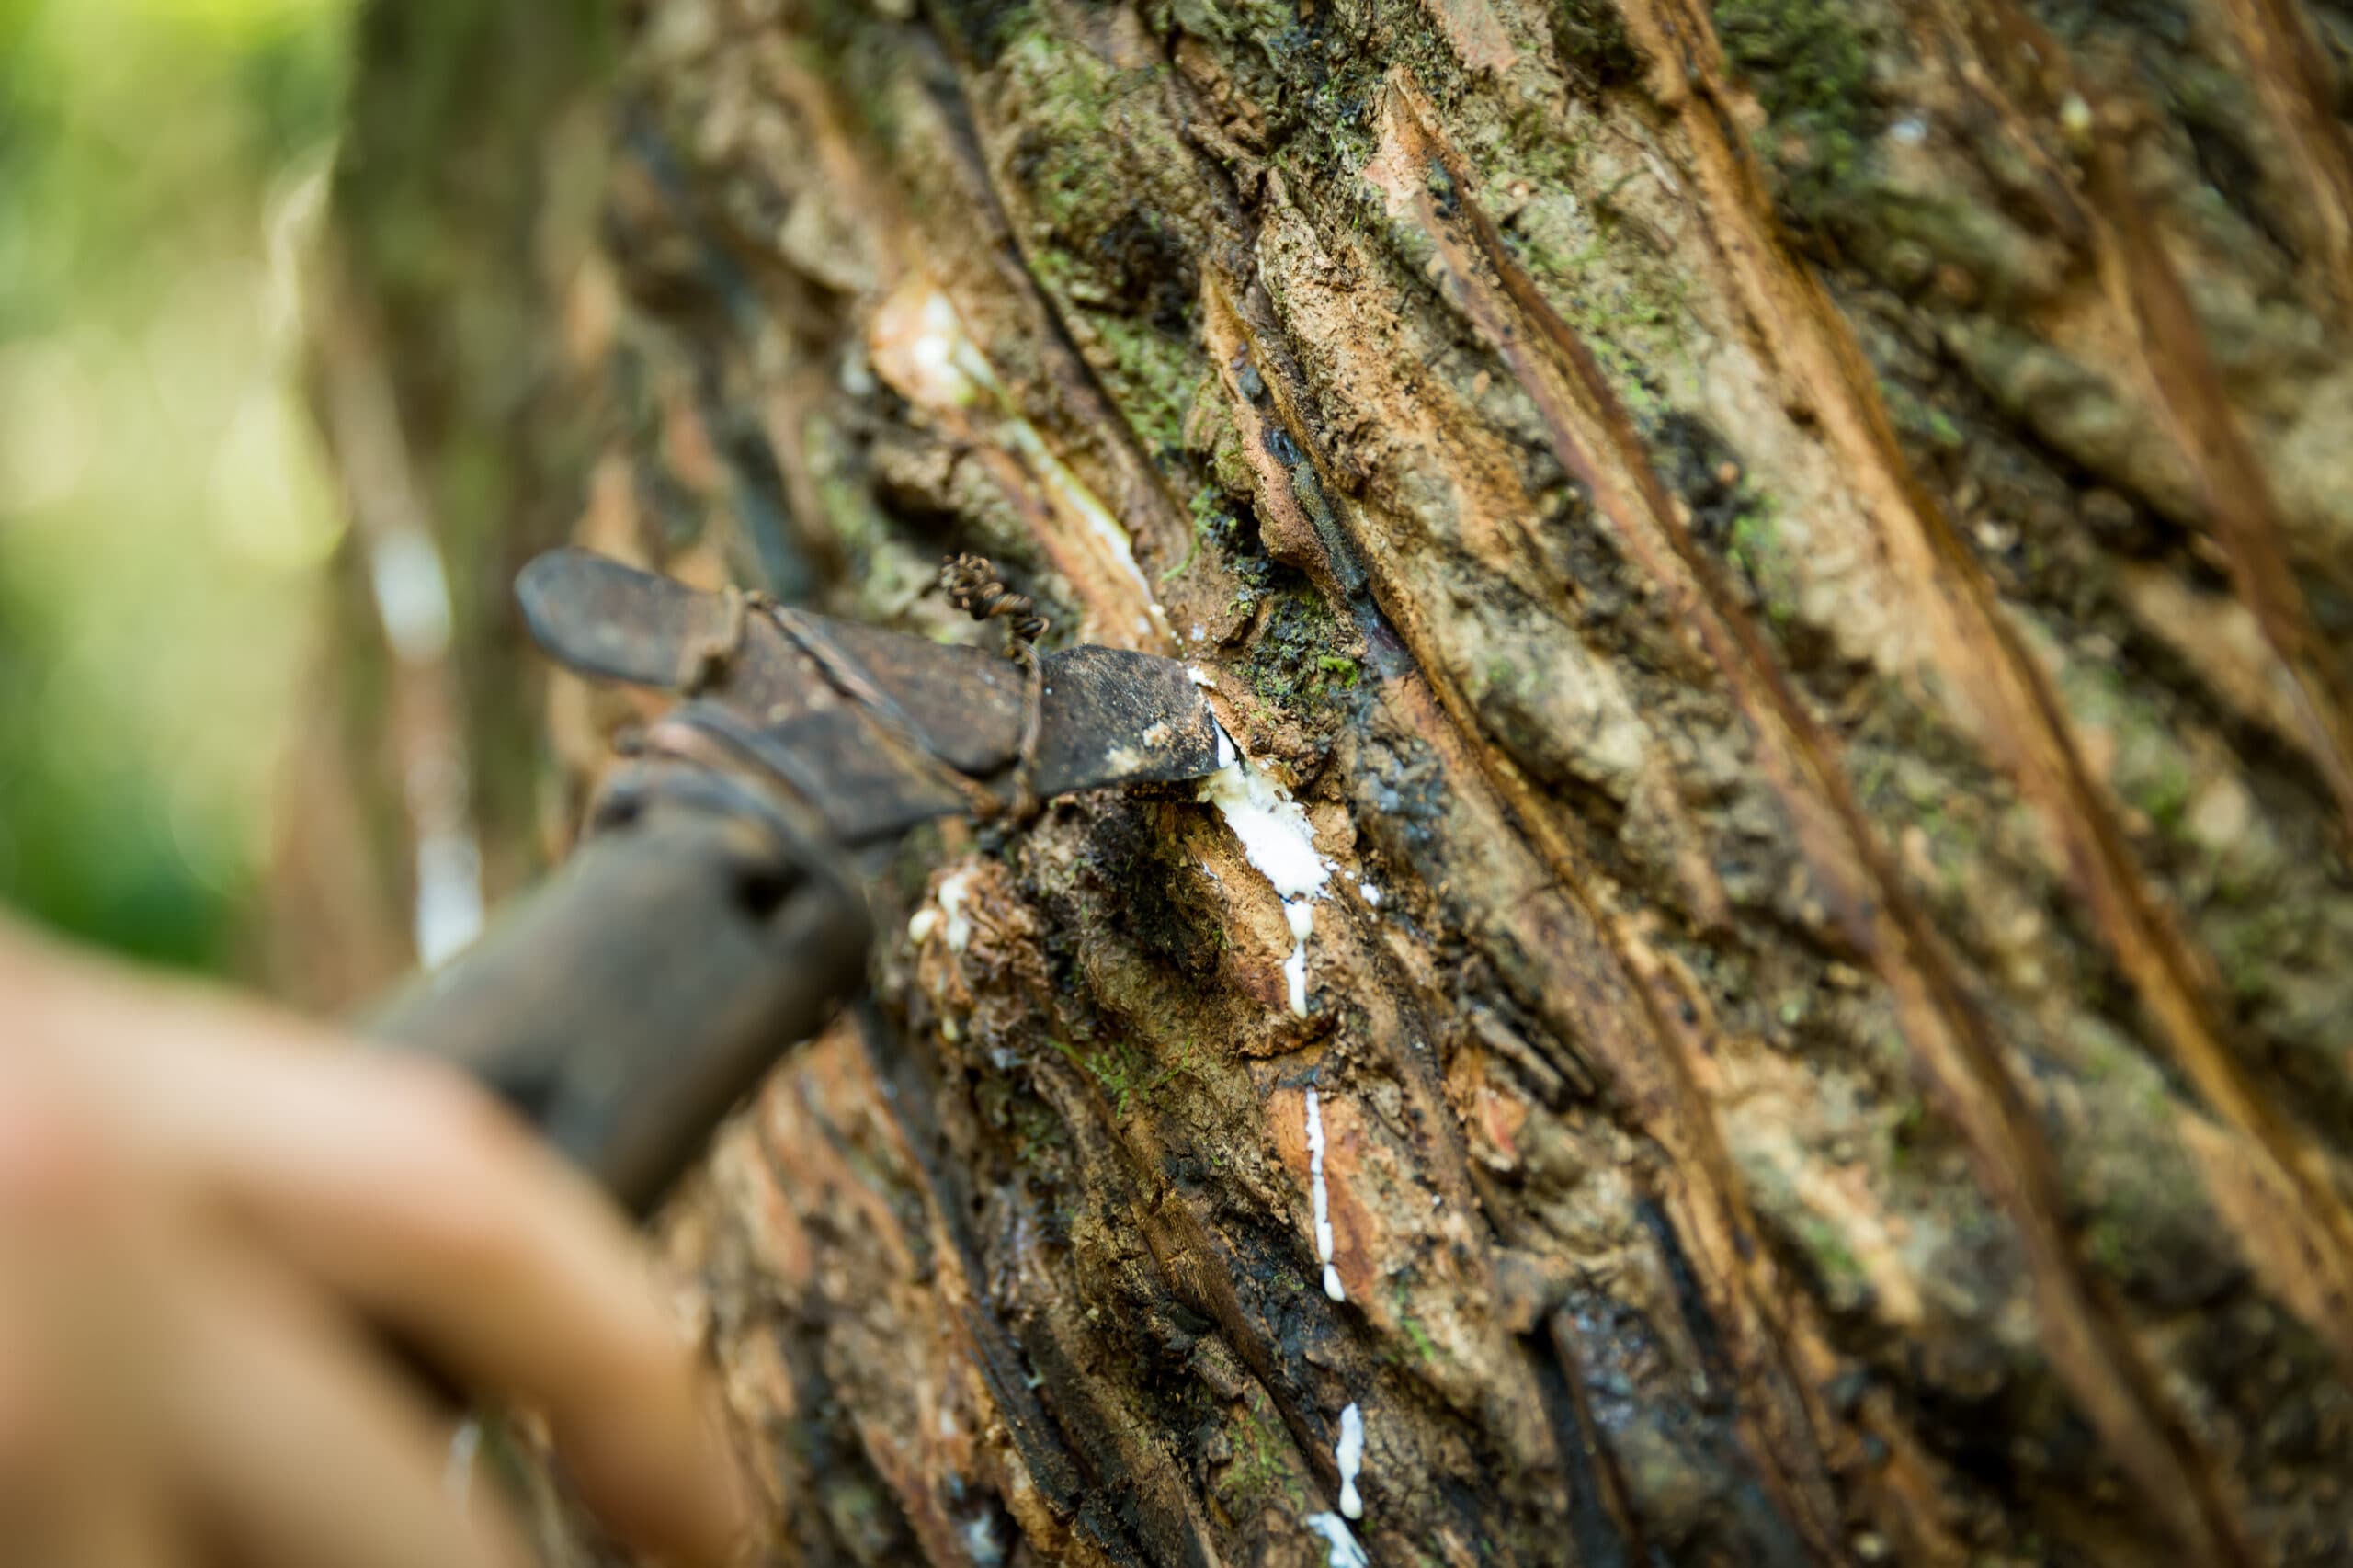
(164, 511)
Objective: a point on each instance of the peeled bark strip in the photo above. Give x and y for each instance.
(1783, 570)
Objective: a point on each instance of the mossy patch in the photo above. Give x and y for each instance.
(1919, 419)
(1262, 1472)
(1299, 661)
(1632, 376)
(1809, 62)
(1063, 97)
(2147, 1219)
(1127, 1072)
(1730, 516)
(1419, 1348)
(1755, 546)
(1091, 153)
(1845, 1288)
(1152, 374)
(2151, 770)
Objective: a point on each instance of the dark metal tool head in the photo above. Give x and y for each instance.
(711, 917)
(836, 708)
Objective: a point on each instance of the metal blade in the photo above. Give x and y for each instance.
(1115, 717)
(604, 618)
(837, 761)
(1108, 716)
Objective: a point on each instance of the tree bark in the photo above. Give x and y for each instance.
(1795, 560)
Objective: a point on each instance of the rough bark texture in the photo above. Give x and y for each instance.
(1798, 558)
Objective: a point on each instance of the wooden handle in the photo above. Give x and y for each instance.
(631, 1001)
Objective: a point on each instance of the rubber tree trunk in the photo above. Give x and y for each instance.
(1784, 571)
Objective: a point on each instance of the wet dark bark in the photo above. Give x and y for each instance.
(1798, 559)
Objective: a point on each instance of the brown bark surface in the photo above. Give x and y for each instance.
(1797, 558)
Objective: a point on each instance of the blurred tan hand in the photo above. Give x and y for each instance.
(203, 1202)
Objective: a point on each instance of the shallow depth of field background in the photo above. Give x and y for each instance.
(164, 510)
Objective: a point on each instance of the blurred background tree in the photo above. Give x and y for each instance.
(165, 513)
